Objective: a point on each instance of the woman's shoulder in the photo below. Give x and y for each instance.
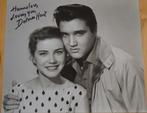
(24, 85)
(17, 88)
(80, 89)
(32, 84)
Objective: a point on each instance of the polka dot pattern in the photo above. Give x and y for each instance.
(47, 101)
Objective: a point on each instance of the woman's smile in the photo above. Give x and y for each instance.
(52, 68)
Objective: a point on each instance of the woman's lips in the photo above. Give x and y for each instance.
(52, 68)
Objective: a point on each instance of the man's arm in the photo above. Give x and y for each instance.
(133, 87)
(10, 103)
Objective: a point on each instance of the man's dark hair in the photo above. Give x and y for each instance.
(76, 11)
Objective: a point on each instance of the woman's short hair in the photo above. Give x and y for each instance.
(47, 32)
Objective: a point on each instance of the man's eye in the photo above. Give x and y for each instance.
(80, 33)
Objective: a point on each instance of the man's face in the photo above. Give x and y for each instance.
(77, 37)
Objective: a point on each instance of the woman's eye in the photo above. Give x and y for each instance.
(42, 54)
(59, 52)
(64, 35)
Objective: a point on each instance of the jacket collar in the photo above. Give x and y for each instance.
(100, 52)
(105, 54)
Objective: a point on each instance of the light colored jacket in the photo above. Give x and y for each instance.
(116, 84)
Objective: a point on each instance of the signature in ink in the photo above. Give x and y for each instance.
(25, 14)
(27, 7)
(27, 19)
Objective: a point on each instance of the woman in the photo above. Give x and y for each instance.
(49, 91)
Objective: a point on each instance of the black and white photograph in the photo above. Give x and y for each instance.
(73, 56)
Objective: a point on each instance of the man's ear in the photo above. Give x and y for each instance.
(33, 60)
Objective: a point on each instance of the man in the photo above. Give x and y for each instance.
(113, 80)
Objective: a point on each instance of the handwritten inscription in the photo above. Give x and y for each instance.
(26, 13)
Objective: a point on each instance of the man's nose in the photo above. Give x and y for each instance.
(72, 41)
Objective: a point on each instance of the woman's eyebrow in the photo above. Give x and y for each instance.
(63, 33)
(59, 49)
(42, 50)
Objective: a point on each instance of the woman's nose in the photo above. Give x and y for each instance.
(52, 59)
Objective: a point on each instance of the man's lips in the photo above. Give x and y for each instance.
(74, 50)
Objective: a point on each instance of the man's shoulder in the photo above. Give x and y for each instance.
(125, 60)
(121, 56)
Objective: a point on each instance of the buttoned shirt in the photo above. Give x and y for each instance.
(112, 78)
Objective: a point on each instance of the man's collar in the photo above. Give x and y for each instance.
(105, 54)
(92, 57)
(101, 51)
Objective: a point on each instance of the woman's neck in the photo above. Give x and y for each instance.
(46, 82)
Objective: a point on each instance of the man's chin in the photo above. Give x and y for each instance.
(76, 55)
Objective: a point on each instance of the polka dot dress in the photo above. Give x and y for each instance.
(63, 99)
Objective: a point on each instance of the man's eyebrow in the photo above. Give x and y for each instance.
(80, 31)
(75, 32)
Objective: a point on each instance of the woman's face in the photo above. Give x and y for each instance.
(49, 57)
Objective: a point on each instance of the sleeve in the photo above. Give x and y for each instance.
(133, 87)
(83, 103)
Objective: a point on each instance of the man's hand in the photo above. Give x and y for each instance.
(11, 102)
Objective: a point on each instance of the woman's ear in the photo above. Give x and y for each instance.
(33, 60)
